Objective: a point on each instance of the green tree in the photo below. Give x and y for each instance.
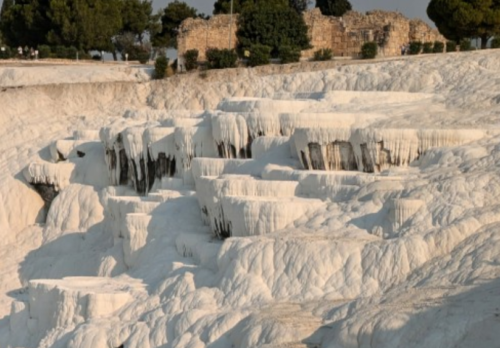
(272, 25)
(85, 24)
(5, 14)
(138, 18)
(25, 22)
(126, 43)
(224, 6)
(461, 19)
(138, 24)
(336, 8)
(172, 17)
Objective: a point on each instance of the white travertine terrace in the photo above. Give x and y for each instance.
(135, 233)
(252, 216)
(216, 166)
(192, 143)
(86, 134)
(371, 149)
(57, 175)
(262, 145)
(401, 210)
(291, 121)
(388, 239)
(74, 300)
(119, 207)
(230, 134)
(276, 106)
(211, 191)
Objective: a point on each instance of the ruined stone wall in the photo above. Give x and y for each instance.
(419, 31)
(343, 35)
(203, 34)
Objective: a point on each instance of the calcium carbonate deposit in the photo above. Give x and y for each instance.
(344, 208)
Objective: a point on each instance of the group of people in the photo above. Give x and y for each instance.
(27, 53)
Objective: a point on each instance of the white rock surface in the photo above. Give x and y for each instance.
(405, 257)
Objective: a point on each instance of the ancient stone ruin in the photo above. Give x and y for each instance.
(343, 35)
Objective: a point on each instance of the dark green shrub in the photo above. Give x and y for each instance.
(59, 52)
(438, 47)
(84, 56)
(451, 46)
(428, 48)
(5, 52)
(71, 52)
(289, 54)
(161, 65)
(143, 56)
(44, 52)
(135, 52)
(63, 52)
(415, 47)
(323, 55)
(495, 43)
(191, 60)
(465, 45)
(96, 57)
(369, 50)
(221, 58)
(259, 55)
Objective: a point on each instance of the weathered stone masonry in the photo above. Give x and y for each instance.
(343, 35)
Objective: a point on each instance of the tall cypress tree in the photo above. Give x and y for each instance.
(336, 8)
